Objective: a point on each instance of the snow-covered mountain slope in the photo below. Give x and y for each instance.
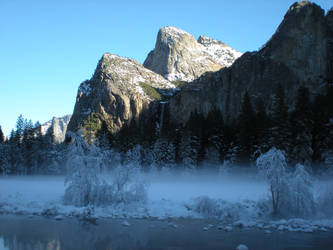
(219, 51)
(178, 56)
(58, 127)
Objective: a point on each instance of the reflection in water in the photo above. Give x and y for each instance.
(2, 245)
(22, 233)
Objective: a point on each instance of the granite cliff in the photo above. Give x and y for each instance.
(298, 54)
(179, 57)
(57, 127)
(120, 90)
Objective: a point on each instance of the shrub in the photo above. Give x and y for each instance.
(150, 91)
(179, 83)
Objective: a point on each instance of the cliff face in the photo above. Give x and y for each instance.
(178, 56)
(120, 90)
(299, 53)
(58, 127)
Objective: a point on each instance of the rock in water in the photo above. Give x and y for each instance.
(179, 57)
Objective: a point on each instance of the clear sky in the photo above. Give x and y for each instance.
(48, 47)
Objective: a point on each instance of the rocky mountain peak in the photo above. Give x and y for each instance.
(297, 6)
(207, 41)
(57, 126)
(178, 56)
(174, 32)
(119, 91)
(300, 42)
(128, 74)
(298, 54)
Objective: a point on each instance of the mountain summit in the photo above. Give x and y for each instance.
(299, 53)
(179, 57)
(119, 91)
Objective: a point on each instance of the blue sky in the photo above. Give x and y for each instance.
(48, 47)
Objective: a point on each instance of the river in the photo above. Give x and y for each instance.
(20, 232)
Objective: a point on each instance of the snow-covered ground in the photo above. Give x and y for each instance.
(234, 200)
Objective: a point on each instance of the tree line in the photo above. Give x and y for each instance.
(28, 151)
(304, 132)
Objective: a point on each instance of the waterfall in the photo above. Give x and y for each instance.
(161, 116)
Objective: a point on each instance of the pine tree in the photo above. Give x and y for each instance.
(20, 124)
(2, 137)
(246, 129)
(301, 119)
(322, 132)
(90, 128)
(280, 131)
(197, 140)
(262, 125)
(214, 131)
(104, 137)
(27, 143)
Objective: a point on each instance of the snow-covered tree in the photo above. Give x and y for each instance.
(133, 156)
(291, 194)
(82, 172)
(164, 153)
(85, 184)
(273, 164)
(302, 192)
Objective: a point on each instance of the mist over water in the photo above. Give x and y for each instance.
(230, 186)
(178, 188)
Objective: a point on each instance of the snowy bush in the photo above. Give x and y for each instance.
(127, 185)
(224, 210)
(86, 185)
(133, 156)
(302, 192)
(325, 200)
(205, 206)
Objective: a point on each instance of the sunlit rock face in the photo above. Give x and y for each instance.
(119, 91)
(299, 53)
(179, 57)
(57, 127)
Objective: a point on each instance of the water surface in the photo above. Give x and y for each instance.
(24, 233)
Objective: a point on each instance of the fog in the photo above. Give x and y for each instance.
(237, 193)
(182, 186)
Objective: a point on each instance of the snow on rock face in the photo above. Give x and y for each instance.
(219, 51)
(120, 90)
(178, 56)
(58, 127)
